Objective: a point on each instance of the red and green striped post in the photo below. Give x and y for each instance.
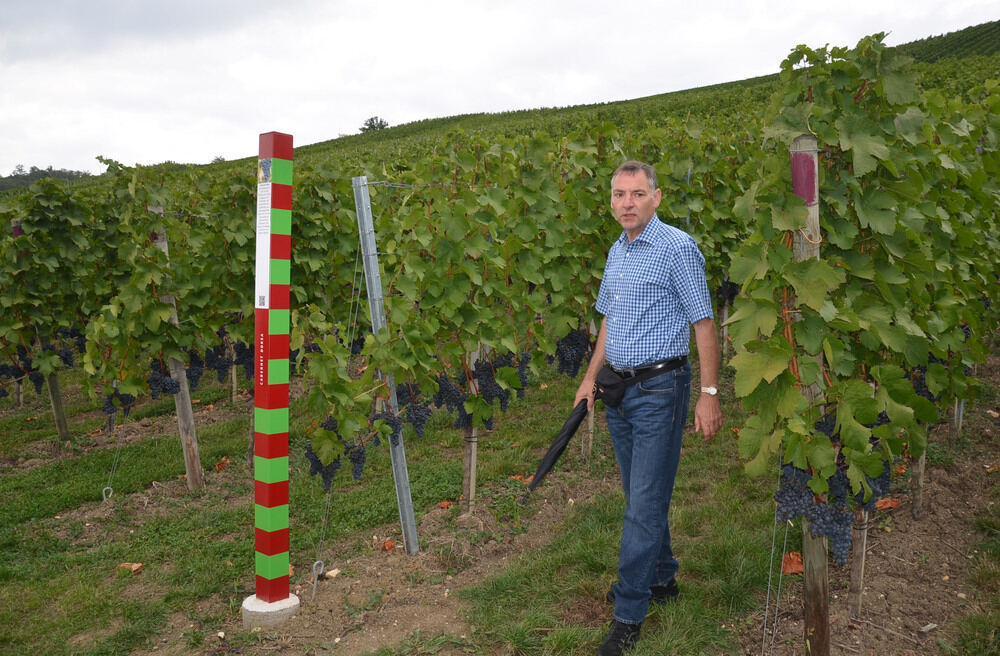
(272, 602)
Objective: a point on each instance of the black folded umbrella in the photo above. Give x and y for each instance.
(558, 446)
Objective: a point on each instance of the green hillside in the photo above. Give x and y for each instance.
(952, 62)
(972, 41)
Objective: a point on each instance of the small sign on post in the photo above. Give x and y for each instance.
(272, 603)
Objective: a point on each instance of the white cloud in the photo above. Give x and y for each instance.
(145, 82)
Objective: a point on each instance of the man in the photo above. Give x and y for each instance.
(652, 292)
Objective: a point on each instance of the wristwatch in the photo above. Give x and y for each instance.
(712, 390)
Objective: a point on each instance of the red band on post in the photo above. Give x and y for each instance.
(275, 144)
(272, 590)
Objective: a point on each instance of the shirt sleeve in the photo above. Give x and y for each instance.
(602, 295)
(688, 272)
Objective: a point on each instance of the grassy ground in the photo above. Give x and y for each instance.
(62, 592)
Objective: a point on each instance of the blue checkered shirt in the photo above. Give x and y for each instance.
(653, 289)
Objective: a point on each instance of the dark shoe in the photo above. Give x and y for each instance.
(621, 638)
(665, 593)
(661, 594)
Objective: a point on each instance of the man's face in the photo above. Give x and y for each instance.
(634, 204)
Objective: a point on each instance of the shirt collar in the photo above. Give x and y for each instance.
(650, 234)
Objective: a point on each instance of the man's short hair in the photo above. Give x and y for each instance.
(632, 167)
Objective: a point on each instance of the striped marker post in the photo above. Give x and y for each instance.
(272, 603)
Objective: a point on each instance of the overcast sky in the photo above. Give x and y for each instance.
(143, 82)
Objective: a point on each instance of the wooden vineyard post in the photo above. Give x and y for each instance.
(58, 410)
(376, 311)
(272, 604)
(55, 397)
(182, 399)
(816, 605)
(470, 458)
(917, 486)
(859, 546)
(234, 381)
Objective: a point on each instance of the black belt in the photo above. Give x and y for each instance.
(660, 367)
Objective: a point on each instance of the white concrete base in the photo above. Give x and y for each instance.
(264, 615)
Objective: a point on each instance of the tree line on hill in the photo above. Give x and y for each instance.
(21, 177)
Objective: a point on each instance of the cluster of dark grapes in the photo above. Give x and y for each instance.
(216, 358)
(879, 487)
(125, 402)
(520, 363)
(26, 367)
(331, 424)
(394, 422)
(834, 522)
(244, 358)
(571, 351)
(409, 396)
(918, 378)
(418, 414)
(356, 454)
(8, 371)
(449, 395)
(293, 356)
(195, 369)
(523, 373)
(489, 388)
(65, 354)
(37, 379)
(839, 486)
(727, 293)
(316, 466)
(464, 420)
(160, 381)
(66, 357)
(76, 336)
(455, 397)
(832, 519)
(826, 425)
(794, 497)
(407, 393)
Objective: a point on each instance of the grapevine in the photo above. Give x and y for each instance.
(316, 466)
(879, 328)
(492, 243)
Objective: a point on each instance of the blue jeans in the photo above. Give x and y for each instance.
(646, 431)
